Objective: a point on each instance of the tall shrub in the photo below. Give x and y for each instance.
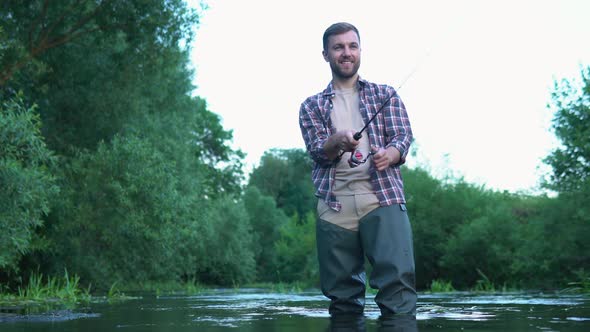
(26, 184)
(118, 205)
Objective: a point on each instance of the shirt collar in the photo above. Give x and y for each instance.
(329, 91)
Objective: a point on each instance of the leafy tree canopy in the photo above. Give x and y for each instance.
(571, 123)
(285, 175)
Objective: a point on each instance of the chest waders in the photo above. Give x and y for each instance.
(385, 238)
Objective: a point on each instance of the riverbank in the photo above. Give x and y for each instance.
(53, 294)
(257, 309)
(47, 295)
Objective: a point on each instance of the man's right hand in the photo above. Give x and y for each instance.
(341, 141)
(347, 142)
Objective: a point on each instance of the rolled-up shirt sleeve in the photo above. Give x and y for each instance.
(398, 129)
(314, 132)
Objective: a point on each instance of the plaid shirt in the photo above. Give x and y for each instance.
(390, 128)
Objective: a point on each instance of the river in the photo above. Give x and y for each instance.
(257, 310)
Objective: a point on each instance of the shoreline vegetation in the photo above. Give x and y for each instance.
(46, 293)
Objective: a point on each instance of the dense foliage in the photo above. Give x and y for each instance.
(284, 175)
(26, 183)
(149, 188)
(571, 124)
(112, 170)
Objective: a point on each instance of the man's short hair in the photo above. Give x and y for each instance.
(336, 29)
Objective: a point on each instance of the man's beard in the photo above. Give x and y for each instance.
(344, 75)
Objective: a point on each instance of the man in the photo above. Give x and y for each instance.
(361, 210)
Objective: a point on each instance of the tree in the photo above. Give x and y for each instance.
(26, 183)
(285, 175)
(297, 252)
(571, 124)
(194, 138)
(149, 182)
(37, 26)
(437, 210)
(126, 216)
(553, 237)
(568, 225)
(111, 222)
(266, 220)
(102, 64)
(281, 204)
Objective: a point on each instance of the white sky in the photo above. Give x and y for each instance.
(477, 99)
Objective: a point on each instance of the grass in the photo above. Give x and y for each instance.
(437, 286)
(55, 291)
(65, 289)
(580, 286)
(282, 287)
(441, 286)
(116, 295)
(45, 293)
(193, 287)
(484, 284)
(190, 287)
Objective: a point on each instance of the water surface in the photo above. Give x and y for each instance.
(258, 310)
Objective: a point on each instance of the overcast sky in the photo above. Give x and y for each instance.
(478, 74)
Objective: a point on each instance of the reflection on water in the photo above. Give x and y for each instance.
(402, 323)
(256, 310)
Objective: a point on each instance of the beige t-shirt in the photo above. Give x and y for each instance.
(352, 186)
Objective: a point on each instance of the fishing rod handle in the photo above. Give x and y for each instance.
(357, 136)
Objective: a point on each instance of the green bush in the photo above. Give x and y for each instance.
(554, 242)
(266, 220)
(487, 243)
(27, 186)
(228, 257)
(123, 219)
(437, 209)
(441, 286)
(296, 251)
(118, 215)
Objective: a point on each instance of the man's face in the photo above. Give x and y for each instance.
(344, 54)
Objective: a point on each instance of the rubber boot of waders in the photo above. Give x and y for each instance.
(386, 237)
(342, 274)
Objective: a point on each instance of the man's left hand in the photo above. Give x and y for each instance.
(383, 158)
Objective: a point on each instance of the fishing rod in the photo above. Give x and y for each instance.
(356, 157)
(359, 133)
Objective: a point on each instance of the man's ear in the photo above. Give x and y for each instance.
(325, 55)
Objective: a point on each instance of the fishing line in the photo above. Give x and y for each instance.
(356, 157)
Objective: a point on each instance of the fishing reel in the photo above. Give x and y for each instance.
(356, 158)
